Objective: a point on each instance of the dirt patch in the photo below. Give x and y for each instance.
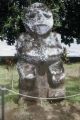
(45, 111)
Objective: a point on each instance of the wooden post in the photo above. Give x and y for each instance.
(2, 92)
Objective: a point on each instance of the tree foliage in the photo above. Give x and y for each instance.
(10, 22)
(11, 12)
(70, 20)
(66, 18)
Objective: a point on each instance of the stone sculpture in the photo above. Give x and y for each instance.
(40, 67)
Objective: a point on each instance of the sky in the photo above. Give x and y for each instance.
(7, 50)
(72, 51)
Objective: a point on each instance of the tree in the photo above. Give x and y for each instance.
(66, 18)
(10, 22)
(70, 20)
(12, 10)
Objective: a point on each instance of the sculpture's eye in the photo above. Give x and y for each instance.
(46, 15)
(32, 15)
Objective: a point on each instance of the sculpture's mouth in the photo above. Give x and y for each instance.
(41, 29)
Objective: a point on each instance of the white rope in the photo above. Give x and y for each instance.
(40, 98)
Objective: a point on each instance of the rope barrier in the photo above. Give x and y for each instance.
(40, 98)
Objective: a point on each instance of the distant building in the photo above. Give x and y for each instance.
(6, 51)
(73, 50)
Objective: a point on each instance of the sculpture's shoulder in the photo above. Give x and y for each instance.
(56, 36)
(24, 37)
(23, 40)
(21, 37)
(57, 39)
(52, 40)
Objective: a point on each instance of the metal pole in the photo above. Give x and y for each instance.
(2, 92)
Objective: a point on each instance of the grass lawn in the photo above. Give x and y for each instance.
(6, 76)
(9, 78)
(73, 87)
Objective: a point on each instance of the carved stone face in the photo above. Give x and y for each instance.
(38, 19)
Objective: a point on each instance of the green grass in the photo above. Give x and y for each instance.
(6, 78)
(72, 83)
(73, 87)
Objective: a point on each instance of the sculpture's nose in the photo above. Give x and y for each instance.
(39, 18)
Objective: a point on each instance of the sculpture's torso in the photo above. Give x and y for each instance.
(39, 49)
